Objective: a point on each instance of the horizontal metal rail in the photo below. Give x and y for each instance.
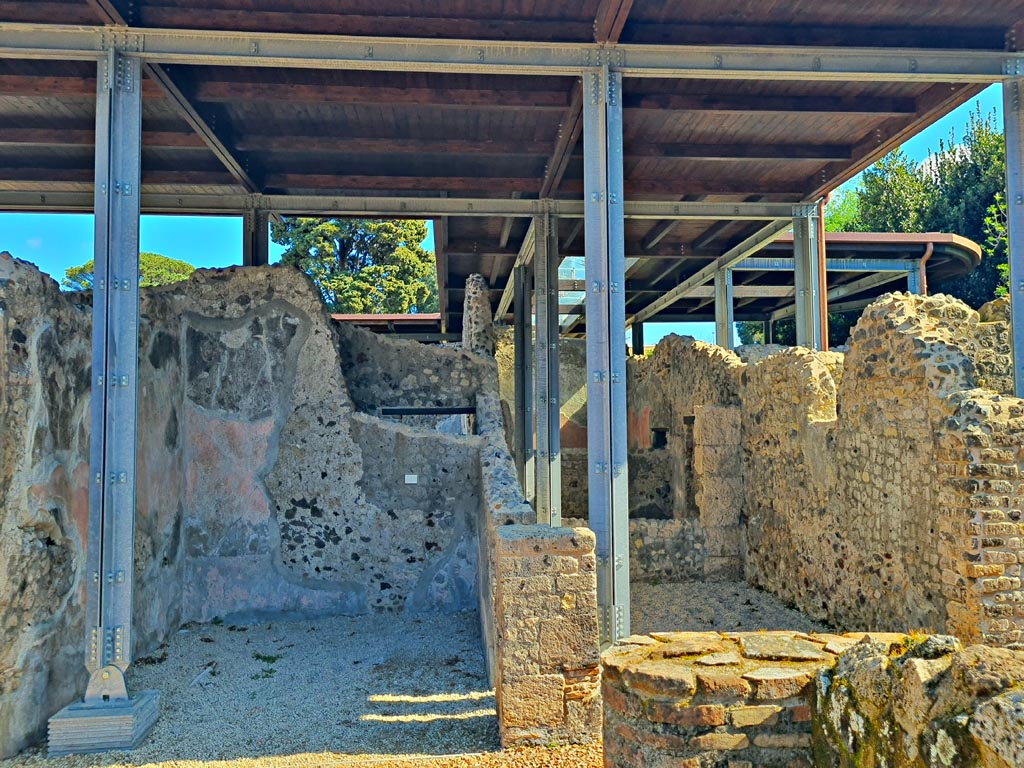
(762, 264)
(268, 49)
(389, 207)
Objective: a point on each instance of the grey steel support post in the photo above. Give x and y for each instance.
(914, 281)
(522, 339)
(768, 331)
(87, 726)
(256, 242)
(638, 338)
(548, 459)
(604, 227)
(1013, 116)
(808, 289)
(723, 308)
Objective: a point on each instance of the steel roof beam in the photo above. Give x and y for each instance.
(712, 62)
(729, 259)
(393, 207)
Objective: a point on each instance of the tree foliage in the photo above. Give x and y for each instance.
(959, 189)
(363, 266)
(154, 269)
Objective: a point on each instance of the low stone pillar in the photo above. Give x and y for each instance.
(547, 638)
(692, 699)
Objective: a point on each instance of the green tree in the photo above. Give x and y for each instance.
(842, 214)
(964, 181)
(892, 195)
(154, 269)
(996, 243)
(363, 266)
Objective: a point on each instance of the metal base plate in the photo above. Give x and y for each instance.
(82, 728)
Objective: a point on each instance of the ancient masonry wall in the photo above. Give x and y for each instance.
(692, 699)
(881, 489)
(538, 590)
(266, 483)
(668, 530)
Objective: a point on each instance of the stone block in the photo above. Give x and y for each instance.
(772, 683)
(720, 741)
(540, 540)
(662, 677)
(531, 702)
(722, 686)
(681, 713)
(746, 717)
(715, 425)
(717, 460)
(782, 740)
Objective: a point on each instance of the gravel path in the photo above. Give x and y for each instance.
(699, 606)
(313, 692)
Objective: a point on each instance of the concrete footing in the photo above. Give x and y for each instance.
(82, 727)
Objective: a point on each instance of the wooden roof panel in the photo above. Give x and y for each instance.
(481, 19)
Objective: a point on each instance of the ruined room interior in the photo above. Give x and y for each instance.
(199, 477)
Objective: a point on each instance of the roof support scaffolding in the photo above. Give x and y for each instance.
(548, 460)
(723, 308)
(1013, 115)
(256, 238)
(605, 264)
(110, 552)
(712, 62)
(808, 282)
(522, 340)
(730, 258)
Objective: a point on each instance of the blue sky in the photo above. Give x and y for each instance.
(55, 242)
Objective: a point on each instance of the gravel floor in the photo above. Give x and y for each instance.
(314, 691)
(727, 606)
(372, 690)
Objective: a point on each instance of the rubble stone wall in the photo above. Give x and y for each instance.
(262, 486)
(879, 487)
(692, 699)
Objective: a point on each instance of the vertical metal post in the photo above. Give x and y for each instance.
(604, 226)
(548, 459)
(638, 338)
(522, 337)
(914, 281)
(1013, 117)
(256, 238)
(115, 359)
(723, 308)
(808, 283)
(768, 331)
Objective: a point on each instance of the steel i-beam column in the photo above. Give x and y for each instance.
(606, 345)
(1013, 117)
(808, 284)
(548, 459)
(723, 308)
(256, 234)
(522, 339)
(109, 573)
(638, 338)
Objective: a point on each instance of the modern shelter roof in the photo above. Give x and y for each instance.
(290, 130)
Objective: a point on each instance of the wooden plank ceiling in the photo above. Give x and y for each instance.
(227, 129)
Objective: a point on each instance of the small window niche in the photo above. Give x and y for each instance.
(659, 438)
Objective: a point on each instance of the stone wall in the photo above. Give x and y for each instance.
(263, 487)
(538, 598)
(665, 392)
(879, 487)
(693, 699)
(921, 703)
